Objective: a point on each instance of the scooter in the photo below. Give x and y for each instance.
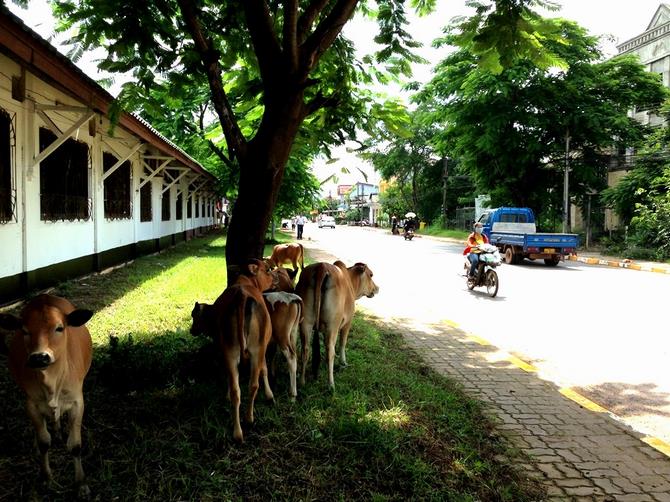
(409, 234)
(486, 275)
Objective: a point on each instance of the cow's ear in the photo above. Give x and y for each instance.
(79, 317)
(292, 273)
(10, 322)
(196, 308)
(360, 267)
(253, 268)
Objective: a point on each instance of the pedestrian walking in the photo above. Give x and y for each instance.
(300, 223)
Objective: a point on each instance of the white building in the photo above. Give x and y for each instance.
(75, 197)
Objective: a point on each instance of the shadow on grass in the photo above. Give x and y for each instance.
(158, 427)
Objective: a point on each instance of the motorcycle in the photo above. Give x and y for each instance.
(409, 233)
(486, 275)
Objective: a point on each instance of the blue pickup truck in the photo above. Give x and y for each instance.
(512, 230)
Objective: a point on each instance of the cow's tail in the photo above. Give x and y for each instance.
(320, 282)
(302, 257)
(245, 307)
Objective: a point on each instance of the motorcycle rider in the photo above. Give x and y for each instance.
(409, 225)
(475, 239)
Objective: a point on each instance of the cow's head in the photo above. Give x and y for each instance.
(260, 274)
(284, 279)
(203, 319)
(45, 330)
(361, 276)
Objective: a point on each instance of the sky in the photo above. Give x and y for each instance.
(621, 20)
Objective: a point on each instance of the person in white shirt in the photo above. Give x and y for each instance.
(300, 223)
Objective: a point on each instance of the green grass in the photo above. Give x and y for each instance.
(438, 231)
(158, 427)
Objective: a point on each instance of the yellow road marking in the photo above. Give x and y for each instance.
(522, 364)
(658, 444)
(581, 400)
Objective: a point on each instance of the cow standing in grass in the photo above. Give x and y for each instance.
(329, 293)
(49, 357)
(240, 322)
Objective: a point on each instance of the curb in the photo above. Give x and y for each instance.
(619, 264)
(584, 402)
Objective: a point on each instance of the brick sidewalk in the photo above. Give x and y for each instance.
(579, 455)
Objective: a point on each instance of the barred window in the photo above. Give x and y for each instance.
(180, 205)
(146, 196)
(7, 141)
(197, 208)
(209, 209)
(116, 188)
(165, 201)
(202, 209)
(189, 206)
(64, 180)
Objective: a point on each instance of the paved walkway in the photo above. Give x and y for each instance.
(579, 453)
(577, 449)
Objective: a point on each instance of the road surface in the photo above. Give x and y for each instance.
(602, 331)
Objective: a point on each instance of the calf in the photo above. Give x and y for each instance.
(329, 293)
(292, 252)
(285, 313)
(240, 323)
(49, 357)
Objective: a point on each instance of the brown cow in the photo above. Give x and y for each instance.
(286, 313)
(329, 293)
(284, 278)
(49, 357)
(241, 324)
(292, 252)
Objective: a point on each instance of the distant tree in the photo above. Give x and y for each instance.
(642, 197)
(508, 130)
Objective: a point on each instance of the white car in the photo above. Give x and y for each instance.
(327, 221)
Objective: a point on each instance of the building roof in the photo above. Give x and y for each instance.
(31, 51)
(659, 27)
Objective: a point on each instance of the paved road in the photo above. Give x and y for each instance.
(601, 331)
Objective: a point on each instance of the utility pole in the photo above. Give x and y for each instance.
(566, 192)
(445, 175)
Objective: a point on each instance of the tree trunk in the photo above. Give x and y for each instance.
(261, 174)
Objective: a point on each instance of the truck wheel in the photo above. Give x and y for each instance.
(509, 256)
(552, 262)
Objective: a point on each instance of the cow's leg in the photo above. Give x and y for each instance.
(264, 373)
(292, 362)
(43, 440)
(331, 339)
(76, 415)
(305, 340)
(256, 368)
(270, 353)
(344, 335)
(231, 361)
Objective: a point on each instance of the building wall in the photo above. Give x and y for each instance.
(30, 247)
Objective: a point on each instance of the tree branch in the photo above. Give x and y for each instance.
(307, 19)
(290, 33)
(219, 153)
(325, 34)
(266, 45)
(319, 101)
(210, 60)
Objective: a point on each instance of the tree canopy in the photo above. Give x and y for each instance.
(270, 73)
(509, 129)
